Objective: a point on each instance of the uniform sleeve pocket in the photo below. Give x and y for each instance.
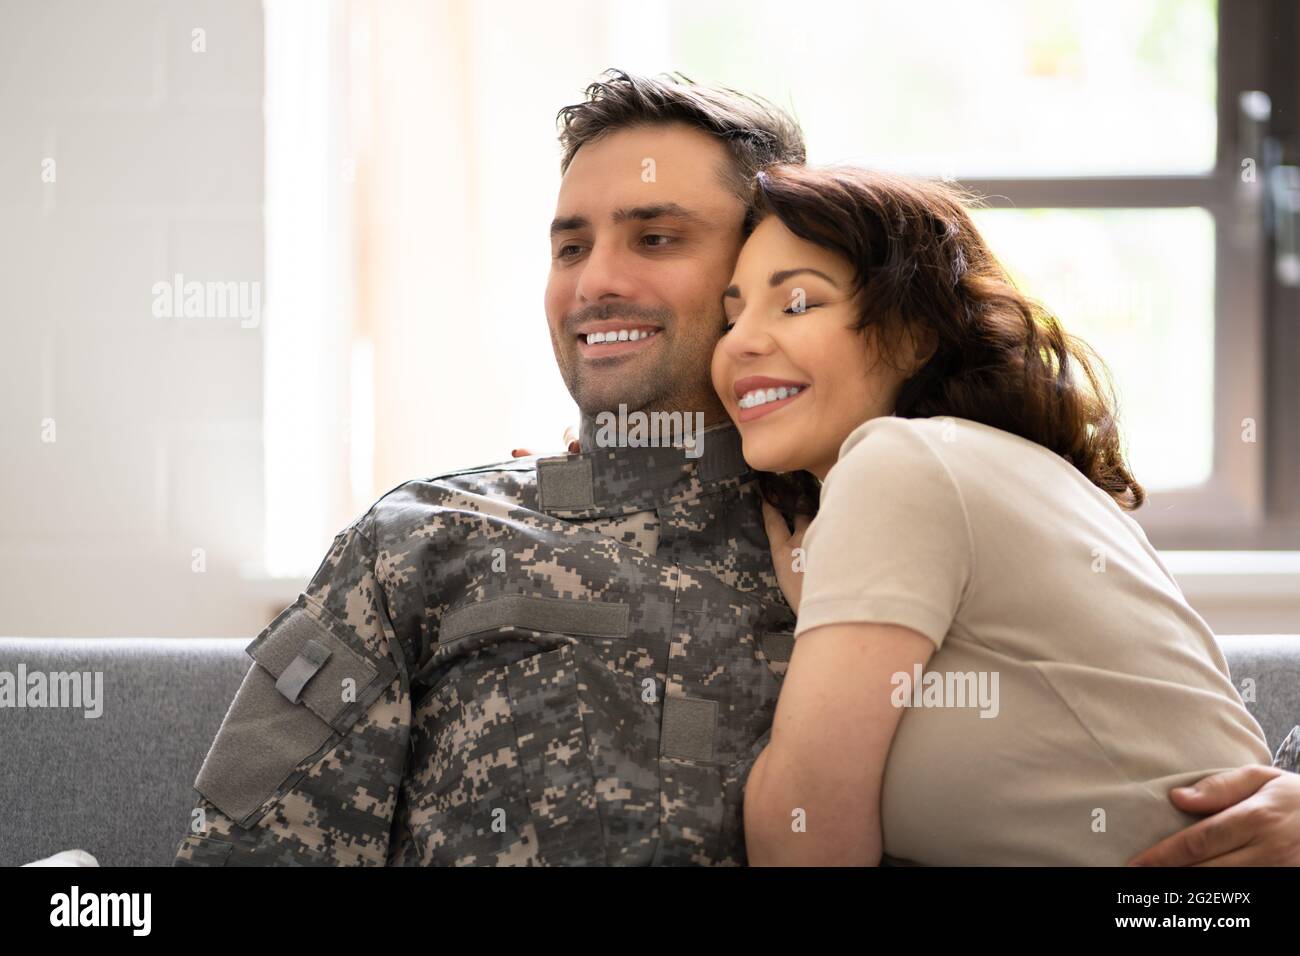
(198, 850)
(310, 681)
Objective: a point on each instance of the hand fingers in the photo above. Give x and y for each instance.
(778, 532)
(1245, 856)
(571, 444)
(1221, 790)
(1212, 837)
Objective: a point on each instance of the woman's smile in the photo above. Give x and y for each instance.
(751, 390)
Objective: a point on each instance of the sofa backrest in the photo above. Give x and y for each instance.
(1272, 662)
(119, 785)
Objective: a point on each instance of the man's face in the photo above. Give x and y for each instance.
(643, 243)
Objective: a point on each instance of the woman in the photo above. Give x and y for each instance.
(970, 560)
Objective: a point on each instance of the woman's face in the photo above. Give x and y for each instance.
(790, 324)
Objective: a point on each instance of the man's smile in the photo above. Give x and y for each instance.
(598, 342)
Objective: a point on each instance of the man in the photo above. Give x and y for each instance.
(568, 660)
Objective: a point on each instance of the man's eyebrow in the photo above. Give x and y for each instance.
(776, 278)
(568, 224)
(662, 210)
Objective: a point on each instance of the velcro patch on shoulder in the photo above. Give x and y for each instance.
(324, 672)
(565, 483)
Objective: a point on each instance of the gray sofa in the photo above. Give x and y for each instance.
(118, 785)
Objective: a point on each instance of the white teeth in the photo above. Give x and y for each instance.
(761, 396)
(622, 335)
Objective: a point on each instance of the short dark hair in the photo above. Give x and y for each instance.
(755, 132)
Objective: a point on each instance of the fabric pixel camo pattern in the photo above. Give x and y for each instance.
(1288, 753)
(585, 653)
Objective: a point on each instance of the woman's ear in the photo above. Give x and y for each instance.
(924, 342)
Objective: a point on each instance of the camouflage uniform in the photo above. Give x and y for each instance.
(1288, 752)
(569, 660)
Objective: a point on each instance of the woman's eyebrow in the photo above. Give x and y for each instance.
(776, 278)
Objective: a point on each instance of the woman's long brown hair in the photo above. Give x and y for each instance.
(923, 270)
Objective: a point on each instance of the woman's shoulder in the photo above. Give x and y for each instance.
(939, 451)
(888, 434)
(892, 450)
(881, 428)
(894, 476)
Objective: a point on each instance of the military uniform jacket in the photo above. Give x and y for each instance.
(554, 661)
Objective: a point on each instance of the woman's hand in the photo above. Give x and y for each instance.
(570, 442)
(789, 565)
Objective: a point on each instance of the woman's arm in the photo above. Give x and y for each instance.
(813, 796)
(889, 558)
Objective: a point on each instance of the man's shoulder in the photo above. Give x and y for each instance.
(513, 466)
(494, 479)
(513, 482)
(419, 502)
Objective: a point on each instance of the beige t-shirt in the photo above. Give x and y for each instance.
(1052, 615)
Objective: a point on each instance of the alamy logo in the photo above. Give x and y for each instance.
(102, 909)
(946, 689)
(179, 299)
(74, 689)
(653, 429)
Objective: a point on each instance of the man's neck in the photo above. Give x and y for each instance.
(593, 433)
(628, 463)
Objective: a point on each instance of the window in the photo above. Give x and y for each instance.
(1115, 147)
(1126, 165)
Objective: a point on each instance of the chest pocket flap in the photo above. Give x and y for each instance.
(589, 618)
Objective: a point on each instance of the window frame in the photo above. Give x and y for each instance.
(1249, 500)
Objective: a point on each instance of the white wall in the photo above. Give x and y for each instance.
(157, 450)
(157, 422)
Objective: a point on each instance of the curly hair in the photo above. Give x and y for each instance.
(924, 271)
